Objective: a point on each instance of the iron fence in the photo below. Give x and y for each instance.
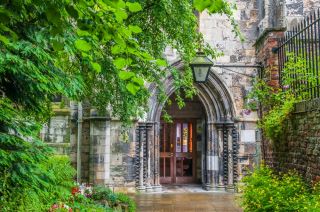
(302, 41)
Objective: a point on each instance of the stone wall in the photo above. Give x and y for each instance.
(57, 132)
(299, 149)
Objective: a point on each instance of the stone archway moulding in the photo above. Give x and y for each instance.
(213, 94)
(218, 167)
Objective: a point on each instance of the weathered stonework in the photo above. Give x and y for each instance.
(299, 149)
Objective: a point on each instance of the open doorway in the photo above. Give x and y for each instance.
(182, 143)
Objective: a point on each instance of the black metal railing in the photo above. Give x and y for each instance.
(302, 41)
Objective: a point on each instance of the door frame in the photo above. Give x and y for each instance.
(174, 179)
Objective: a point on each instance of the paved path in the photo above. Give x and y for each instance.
(185, 202)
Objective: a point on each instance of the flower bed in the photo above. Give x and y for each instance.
(85, 197)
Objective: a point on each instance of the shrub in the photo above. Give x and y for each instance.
(106, 196)
(55, 174)
(263, 190)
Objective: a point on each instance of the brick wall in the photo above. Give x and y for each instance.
(299, 147)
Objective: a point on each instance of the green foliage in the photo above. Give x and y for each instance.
(101, 51)
(280, 102)
(50, 184)
(102, 194)
(263, 190)
(80, 202)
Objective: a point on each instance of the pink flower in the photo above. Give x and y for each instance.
(247, 112)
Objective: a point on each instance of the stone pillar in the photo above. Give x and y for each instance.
(225, 155)
(100, 145)
(140, 139)
(85, 141)
(219, 126)
(230, 185)
(149, 149)
(208, 153)
(266, 45)
(212, 158)
(73, 133)
(156, 128)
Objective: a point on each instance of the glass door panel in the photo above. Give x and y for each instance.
(184, 159)
(166, 154)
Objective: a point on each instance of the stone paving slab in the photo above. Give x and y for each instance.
(177, 201)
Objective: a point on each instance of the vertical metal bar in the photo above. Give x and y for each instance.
(294, 53)
(279, 62)
(300, 47)
(317, 47)
(302, 51)
(290, 51)
(312, 56)
(309, 95)
(283, 56)
(305, 53)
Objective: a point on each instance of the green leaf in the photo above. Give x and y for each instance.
(134, 7)
(120, 63)
(72, 11)
(201, 5)
(125, 75)
(83, 32)
(132, 88)
(57, 46)
(121, 15)
(82, 45)
(53, 16)
(160, 62)
(4, 39)
(117, 49)
(96, 67)
(135, 29)
(138, 81)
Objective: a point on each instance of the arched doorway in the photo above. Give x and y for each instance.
(219, 153)
(182, 143)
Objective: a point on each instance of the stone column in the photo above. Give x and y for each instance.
(99, 150)
(73, 134)
(225, 155)
(84, 130)
(149, 147)
(141, 186)
(156, 128)
(212, 158)
(219, 126)
(230, 185)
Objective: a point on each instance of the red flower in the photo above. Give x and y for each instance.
(75, 190)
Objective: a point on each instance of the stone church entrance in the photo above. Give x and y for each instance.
(199, 146)
(181, 144)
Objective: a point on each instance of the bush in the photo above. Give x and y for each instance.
(263, 190)
(106, 196)
(55, 174)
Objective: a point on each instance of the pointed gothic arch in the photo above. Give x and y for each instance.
(220, 166)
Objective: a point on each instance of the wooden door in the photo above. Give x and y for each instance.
(177, 152)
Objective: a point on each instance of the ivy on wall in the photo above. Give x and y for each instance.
(279, 103)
